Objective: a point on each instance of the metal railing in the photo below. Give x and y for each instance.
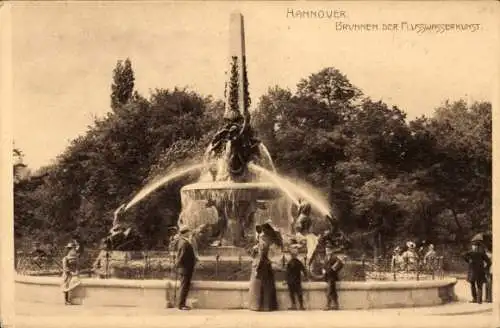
(160, 265)
(391, 269)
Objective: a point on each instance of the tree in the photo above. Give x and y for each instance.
(329, 86)
(122, 87)
(385, 177)
(459, 165)
(116, 157)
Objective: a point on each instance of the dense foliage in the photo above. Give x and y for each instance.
(428, 178)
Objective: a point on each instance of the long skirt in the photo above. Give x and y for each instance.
(262, 289)
(70, 282)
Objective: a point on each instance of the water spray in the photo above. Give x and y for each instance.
(163, 181)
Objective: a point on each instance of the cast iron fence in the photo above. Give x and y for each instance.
(159, 265)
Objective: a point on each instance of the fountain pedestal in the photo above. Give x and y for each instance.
(226, 210)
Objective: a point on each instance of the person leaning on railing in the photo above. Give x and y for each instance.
(396, 260)
(430, 259)
(410, 257)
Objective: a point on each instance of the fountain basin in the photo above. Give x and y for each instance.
(234, 294)
(231, 191)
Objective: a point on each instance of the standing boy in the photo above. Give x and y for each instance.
(331, 269)
(294, 270)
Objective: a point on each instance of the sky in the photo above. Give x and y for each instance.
(63, 55)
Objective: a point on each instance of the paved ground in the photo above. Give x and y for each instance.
(459, 314)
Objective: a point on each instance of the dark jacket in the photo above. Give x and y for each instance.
(332, 266)
(294, 269)
(186, 258)
(479, 264)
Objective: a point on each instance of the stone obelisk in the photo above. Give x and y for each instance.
(237, 99)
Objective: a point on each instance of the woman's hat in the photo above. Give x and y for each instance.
(269, 229)
(410, 244)
(184, 229)
(172, 229)
(72, 254)
(70, 245)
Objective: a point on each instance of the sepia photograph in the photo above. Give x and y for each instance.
(248, 164)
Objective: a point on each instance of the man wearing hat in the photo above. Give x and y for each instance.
(70, 272)
(185, 262)
(479, 264)
(331, 268)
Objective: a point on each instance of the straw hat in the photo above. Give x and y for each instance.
(411, 245)
(184, 229)
(70, 245)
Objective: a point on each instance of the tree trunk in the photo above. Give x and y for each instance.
(380, 244)
(460, 230)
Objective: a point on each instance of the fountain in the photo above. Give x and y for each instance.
(228, 194)
(239, 188)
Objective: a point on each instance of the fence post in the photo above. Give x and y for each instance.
(145, 270)
(107, 265)
(217, 256)
(418, 269)
(433, 268)
(173, 270)
(363, 266)
(393, 268)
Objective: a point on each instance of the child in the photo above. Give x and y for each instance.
(294, 268)
(331, 268)
(70, 272)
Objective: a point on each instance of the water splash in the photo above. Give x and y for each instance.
(266, 156)
(161, 182)
(292, 189)
(280, 183)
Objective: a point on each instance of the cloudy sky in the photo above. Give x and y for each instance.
(64, 54)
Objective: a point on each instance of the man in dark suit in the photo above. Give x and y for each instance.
(185, 262)
(479, 264)
(331, 267)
